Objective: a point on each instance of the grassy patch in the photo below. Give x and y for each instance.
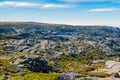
(67, 63)
(4, 62)
(98, 74)
(85, 70)
(36, 76)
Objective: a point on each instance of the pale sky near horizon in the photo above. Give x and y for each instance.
(74, 12)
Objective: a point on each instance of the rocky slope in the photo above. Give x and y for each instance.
(29, 49)
(32, 37)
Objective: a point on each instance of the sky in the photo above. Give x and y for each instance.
(73, 12)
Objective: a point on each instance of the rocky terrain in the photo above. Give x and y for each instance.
(65, 52)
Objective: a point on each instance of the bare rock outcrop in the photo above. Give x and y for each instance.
(114, 65)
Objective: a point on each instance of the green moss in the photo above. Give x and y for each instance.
(98, 74)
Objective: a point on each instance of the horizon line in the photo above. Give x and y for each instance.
(53, 23)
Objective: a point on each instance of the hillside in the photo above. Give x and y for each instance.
(29, 48)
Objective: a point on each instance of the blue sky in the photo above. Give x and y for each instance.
(75, 12)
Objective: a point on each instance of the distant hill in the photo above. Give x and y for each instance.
(106, 38)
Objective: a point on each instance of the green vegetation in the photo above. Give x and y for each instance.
(60, 64)
(4, 64)
(85, 70)
(1, 77)
(98, 74)
(73, 62)
(2, 51)
(36, 76)
(66, 63)
(92, 53)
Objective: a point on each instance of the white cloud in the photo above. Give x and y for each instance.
(103, 9)
(28, 4)
(55, 6)
(18, 4)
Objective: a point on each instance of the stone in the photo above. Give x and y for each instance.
(90, 78)
(114, 65)
(37, 64)
(69, 75)
(115, 74)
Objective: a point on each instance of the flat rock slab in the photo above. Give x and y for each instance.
(114, 65)
(117, 78)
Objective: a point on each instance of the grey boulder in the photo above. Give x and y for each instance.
(90, 78)
(69, 75)
(115, 74)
